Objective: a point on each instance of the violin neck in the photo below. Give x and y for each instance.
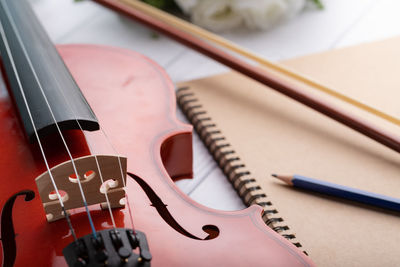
(44, 91)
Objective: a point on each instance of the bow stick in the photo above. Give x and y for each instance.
(132, 10)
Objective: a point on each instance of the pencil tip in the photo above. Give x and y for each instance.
(283, 178)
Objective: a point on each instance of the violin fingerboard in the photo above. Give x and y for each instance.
(44, 91)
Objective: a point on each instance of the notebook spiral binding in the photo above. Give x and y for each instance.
(230, 163)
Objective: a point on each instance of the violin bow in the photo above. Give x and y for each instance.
(222, 42)
(140, 12)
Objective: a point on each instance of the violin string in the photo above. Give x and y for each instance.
(88, 143)
(123, 177)
(6, 44)
(106, 193)
(120, 168)
(121, 172)
(7, 11)
(123, 180)
(95, 156)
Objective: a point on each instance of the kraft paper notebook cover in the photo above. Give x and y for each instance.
(253, 132)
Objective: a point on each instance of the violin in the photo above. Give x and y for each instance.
(90, 149)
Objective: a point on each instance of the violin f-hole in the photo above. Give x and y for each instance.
(211, 230)
(7, 228)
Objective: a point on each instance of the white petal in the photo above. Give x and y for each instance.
(261, 14)
(216, 15)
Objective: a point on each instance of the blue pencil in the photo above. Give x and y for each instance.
(341, 191)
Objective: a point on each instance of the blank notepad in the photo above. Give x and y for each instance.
(253, 131)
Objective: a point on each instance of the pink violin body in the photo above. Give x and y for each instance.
(134, 101)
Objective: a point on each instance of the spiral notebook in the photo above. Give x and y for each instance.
(252, 131)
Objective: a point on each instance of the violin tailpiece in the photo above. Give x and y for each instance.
(90, 179)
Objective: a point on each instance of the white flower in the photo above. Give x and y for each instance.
(221, 15)
(186, 5)
(216, 15)
(262, 14)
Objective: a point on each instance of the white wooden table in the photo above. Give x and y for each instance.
(341, 23)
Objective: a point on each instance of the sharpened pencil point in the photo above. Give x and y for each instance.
(283, 178)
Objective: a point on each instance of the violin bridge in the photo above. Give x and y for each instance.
(90, 171)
